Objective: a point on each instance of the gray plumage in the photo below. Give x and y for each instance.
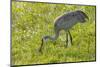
(65, 22)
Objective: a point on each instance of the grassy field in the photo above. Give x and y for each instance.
(31, 21)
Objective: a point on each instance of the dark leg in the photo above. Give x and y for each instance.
(66, 39)
(70, 37)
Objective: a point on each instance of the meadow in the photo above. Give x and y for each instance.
(31, 21)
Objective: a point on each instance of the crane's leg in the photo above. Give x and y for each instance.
(70, 37)
(41, 47)
(66, 39)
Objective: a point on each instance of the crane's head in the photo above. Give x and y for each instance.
(45, 38)
(81, 16)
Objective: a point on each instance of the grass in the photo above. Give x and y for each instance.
(31, 21)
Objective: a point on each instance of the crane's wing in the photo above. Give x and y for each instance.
(65, 17)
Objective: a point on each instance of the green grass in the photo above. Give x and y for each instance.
(31, 21)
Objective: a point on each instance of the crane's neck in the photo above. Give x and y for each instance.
(45, 38)
(53, 38)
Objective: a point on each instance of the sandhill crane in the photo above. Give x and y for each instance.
(65, 22)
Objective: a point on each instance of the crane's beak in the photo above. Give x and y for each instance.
(42, 42)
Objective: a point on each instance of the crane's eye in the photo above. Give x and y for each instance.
(45, 38)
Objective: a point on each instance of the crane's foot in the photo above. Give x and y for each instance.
(68, 44)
